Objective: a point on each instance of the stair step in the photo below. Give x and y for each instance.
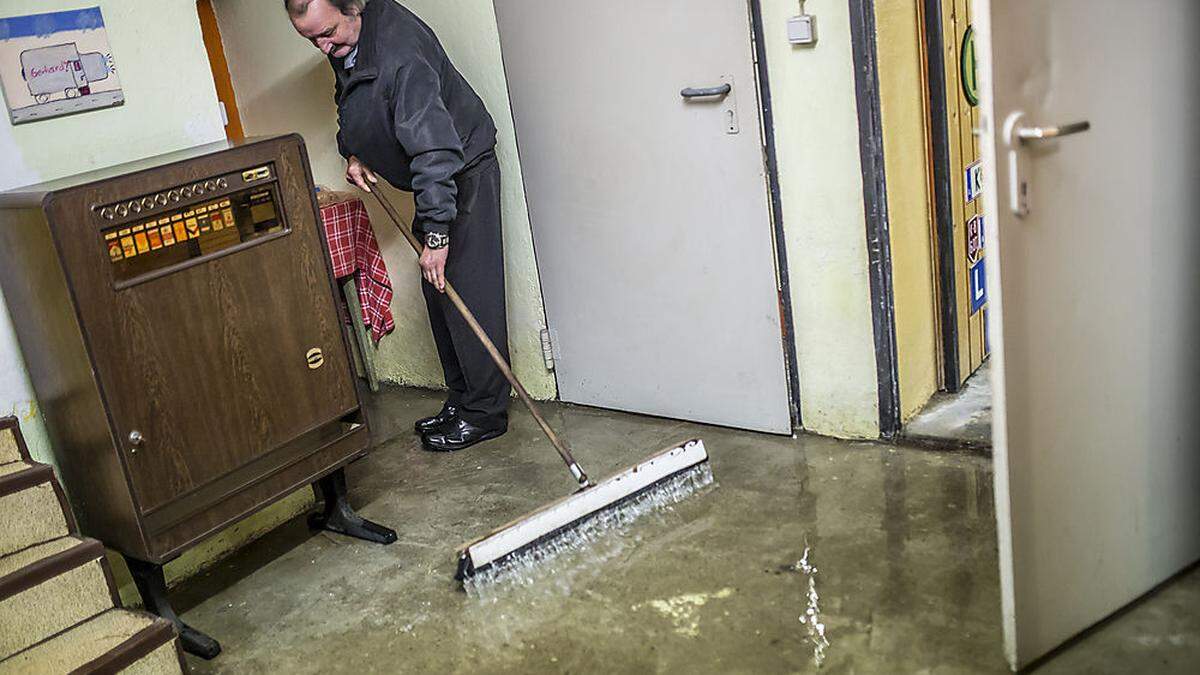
(119, 640)
(32, 507)
(12, 445)
(12, 467)
(51, 592)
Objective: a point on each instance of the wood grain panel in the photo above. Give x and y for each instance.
(209, 363)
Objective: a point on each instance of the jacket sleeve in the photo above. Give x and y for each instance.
(426, 131)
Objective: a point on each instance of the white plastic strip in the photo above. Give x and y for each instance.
(581, 504)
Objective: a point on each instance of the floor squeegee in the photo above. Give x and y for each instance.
(674, 469)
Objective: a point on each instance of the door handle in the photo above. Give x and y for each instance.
(1026, 134)
(1016, 136)
(706, 92)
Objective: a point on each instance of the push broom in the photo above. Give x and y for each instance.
(668, 469)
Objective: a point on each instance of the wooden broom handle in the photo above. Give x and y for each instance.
(455, 298)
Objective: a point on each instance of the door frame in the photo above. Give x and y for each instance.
(943, 200)
(210, 30)
(771, 162)
(875, 203)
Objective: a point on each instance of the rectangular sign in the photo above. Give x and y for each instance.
(974, 239)
(978, 286)
(57, 64)
(974, 181)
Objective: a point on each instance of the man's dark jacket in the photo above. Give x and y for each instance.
(407, 113)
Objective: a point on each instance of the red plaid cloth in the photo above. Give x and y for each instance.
(354, 250)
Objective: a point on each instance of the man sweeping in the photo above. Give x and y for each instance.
(405, 112)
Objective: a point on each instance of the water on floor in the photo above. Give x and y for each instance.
(860, 557)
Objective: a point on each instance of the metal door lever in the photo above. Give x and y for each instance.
(704, 92)
(1017, 136)
(1044, 133)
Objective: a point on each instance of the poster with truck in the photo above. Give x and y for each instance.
(57, 64)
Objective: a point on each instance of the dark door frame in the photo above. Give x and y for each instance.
(879, 248)
(772, 166)
(939, 132)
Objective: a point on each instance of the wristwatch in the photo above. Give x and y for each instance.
(436, 240)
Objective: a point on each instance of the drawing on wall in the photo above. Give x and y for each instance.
(57, 64)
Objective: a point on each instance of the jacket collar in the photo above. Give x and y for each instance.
(365, 67)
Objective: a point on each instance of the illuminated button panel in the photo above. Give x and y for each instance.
(174, 237)
(138, 207)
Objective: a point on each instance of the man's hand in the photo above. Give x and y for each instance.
(358, 174)
(433, 266)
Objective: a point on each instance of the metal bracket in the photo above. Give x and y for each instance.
(548, 353)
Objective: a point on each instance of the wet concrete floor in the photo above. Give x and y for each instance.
(901, 569)
(956, 421)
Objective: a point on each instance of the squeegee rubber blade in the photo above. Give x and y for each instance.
(538, 527)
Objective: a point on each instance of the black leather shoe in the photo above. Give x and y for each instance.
(459, 435)
(427, 425)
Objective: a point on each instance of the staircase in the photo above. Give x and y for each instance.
(59, 608)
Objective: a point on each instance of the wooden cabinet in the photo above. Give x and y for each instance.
(179, 322)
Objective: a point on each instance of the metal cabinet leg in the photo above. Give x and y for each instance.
(153, 586)
(338, 516)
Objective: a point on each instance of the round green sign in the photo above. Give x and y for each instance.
(970, 67)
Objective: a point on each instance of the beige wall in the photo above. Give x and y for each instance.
(170, 103)
(820, 173)
(905, 141)
(158, 116)
(283, 84)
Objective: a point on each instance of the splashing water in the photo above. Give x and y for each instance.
(601, 536)
(812, 614)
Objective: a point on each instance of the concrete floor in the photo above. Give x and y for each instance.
(960, 421)
(902, 542)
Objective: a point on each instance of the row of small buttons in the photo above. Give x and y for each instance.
(136, 206)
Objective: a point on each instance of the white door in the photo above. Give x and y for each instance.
(1097, 462)
(649, 208)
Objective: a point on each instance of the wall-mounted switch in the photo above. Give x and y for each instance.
(802, 30)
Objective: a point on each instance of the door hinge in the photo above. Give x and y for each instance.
(548, 351)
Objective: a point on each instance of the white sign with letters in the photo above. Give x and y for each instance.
(974, 181)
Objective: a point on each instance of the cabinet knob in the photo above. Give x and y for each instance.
(136, 439)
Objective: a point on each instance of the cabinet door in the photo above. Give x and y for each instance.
(215, 360)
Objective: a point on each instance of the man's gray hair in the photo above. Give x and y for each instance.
(299, 7)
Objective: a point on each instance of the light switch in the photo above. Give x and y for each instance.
(802, 30)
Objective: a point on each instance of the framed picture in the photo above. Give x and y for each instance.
(57, 64)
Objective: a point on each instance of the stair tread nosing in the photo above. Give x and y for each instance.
(14, 467)
(108, 642)
(52, 594)
(34, 565)
(12, 445)
(33, 508)
(18, 560)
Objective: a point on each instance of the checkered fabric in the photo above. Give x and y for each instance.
(355, 251)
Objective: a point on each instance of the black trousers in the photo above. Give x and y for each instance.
(475, 267)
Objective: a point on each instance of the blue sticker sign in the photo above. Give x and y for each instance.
(978, 286)
(973, 181)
